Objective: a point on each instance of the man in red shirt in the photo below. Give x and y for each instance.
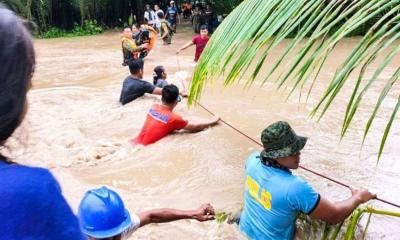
(161, 120)
(200, 41)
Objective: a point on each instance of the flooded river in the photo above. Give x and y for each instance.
(77, 128)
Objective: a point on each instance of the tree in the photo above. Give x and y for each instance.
(258, 26)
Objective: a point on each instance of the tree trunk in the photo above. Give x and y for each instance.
(138, 10)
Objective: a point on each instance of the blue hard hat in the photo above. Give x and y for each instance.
(102, 214)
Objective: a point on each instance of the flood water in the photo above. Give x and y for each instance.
(77, 128)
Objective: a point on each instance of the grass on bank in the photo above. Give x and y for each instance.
(90, 27)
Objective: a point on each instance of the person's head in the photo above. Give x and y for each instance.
(159, 73)
(282, 146)
(156, 7)
(208, 7)
(135, 29)
(17, 58)
(127, 32)
(203, 30)
(160, 15)
(170, 95)
(102, 214)
(172, 3)
(148, 7)
(136, 67)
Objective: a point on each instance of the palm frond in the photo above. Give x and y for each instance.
(241, 46)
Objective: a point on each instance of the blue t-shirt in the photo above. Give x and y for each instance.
(172, 13)
(32, 206)
(273, 198)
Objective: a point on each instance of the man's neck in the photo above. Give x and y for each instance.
(135, 76)
(168, 106)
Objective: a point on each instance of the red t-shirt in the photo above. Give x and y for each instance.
(160, 122)
(200, 45)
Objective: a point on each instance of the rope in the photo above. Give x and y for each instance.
(259, 144)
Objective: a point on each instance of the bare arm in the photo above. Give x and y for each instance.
(166, 31)
(204, 213)
(197, 127)
(157, 91)
(339, 211)
(189, 44)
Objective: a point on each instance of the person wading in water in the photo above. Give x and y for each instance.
(200, 41)
(274, 196)
(129, 48)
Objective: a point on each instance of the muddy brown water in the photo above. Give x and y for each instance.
(76, 127)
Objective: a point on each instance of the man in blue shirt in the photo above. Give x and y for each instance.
(274, 196)
(172, 15)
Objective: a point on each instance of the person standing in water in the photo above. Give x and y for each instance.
(200, 41)
(160, 77)
(166, 29)
(134, 86)
(158, 10)
(118, 223)
(274, 196)
(130, 49)
(32, 205)
(172, 15)
(161, 120)
(150, 15)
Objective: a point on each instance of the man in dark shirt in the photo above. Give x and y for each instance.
(134, 87)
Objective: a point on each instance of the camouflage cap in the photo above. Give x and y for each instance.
(279, 140)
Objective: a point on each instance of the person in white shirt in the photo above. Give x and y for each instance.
(150, 15)
(158, 22)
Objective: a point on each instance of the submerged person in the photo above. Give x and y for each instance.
(32, 205)
(200, 41)
(103, 215)
(134, 86)
(160, 77)
(166, 30)
(130, 49)
(161, 120)
(274, 196)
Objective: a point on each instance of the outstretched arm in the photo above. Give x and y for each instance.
(204, 213)
(339, 211)
(189, 44)
(197, 127)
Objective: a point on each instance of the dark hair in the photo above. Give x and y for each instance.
(136, 65)
(203, 27)
(160, 15)
(271, 162)
(17, 60)
(170, 94)
(157, 73)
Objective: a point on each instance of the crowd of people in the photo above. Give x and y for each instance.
(33, 207)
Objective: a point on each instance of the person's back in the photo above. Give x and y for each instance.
(32, 206)
(133, 86)
(273, 199)
(160, 122)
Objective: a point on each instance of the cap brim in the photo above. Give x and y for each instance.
(290, 150)
(111, 232)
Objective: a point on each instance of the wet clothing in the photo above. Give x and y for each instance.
(161, 83)
(272, 200)
(132, 228)
(32, 206)
(200, 45)
(134, 88)
(166, 27)
(130, 50)
(172, 13)
(160, 122)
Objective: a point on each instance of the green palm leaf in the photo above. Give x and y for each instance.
(243, 42)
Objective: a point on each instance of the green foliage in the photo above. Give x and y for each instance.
(89, 28)
(245, 39)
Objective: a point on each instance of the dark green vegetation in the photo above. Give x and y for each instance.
(56, 18)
